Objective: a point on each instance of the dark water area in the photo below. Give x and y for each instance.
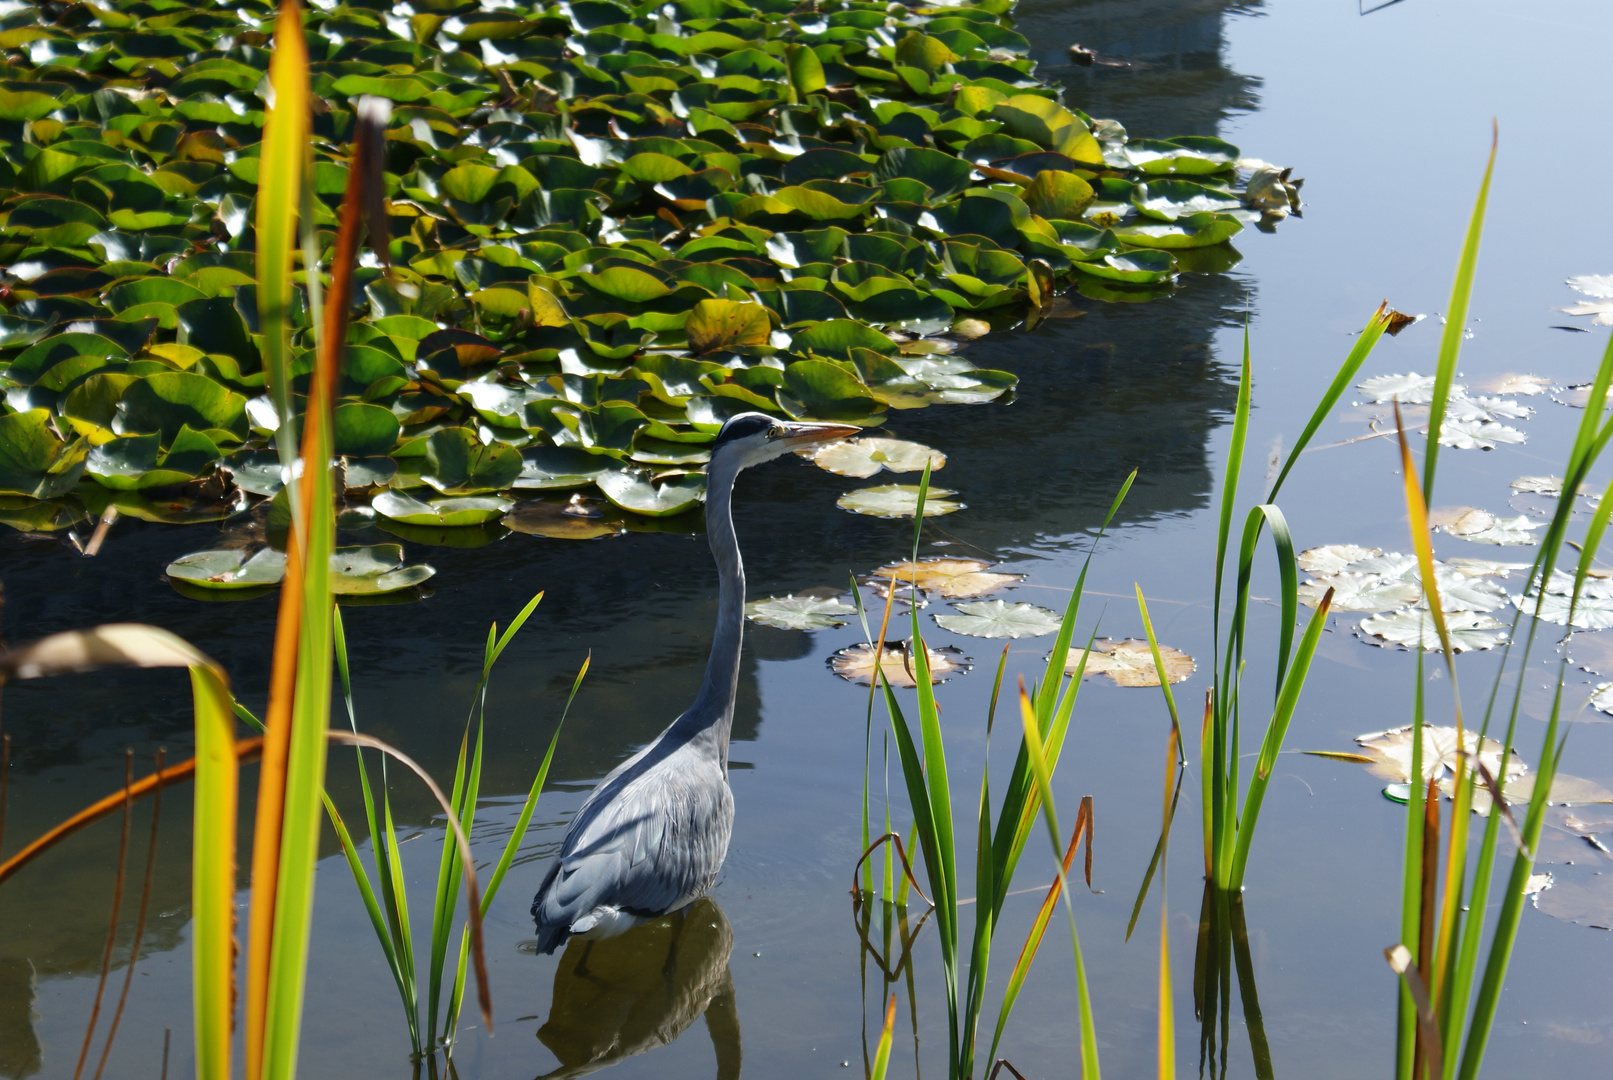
(1387, 116)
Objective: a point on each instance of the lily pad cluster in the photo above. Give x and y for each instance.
(1472, 421)
(612, 227)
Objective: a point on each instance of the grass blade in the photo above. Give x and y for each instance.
(213, 872)
(1450, 343)
(882, 1054)
(1159, 666)
(1282, 716)
(1364, 345)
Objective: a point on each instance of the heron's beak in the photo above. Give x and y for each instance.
(799, 434)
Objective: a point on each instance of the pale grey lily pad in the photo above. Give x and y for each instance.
(1544, 485)
(1360, 592)
(1388, 564)
(1391, 753)
(1413, 627)
(1408, 389)
(1477, 434)
(1527, 385)
(1599, 287)
(898, 501)
(653, 496)
(470, 510)
(1331, 558)
(997, 619)
(1485, 567)
(1492, 408)
(230, 569)
(1505, 532)
(374, 571)
(1461, 592)
(1591, 613)
(1602, 700)
(1596, 585)
(799, 612)
(863, 457)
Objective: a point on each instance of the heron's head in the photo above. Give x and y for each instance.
(752, 438)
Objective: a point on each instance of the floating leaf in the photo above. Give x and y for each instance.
(1391, 753)
(727, 324)
(954, 579)
(1412, 627)
(856, 663)
(637, 491)
(1361, 592)
(233, 569)
(1599, 287)
(897, 501)
(458, 463)
(864, 456)
(1477, 434)
(575, 519)
(374, 571)
(799, 612)
(1411, 389)
(1331, 558)
(996, 619)
(450, 512)
(1130, 662)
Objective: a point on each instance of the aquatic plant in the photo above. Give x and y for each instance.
(1448, 1003)
(613, 227)
(390, 914)
(998, 848)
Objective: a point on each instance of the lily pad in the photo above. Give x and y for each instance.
(895, 660)
(578, 518)
(657, 496)
(458, 463)
(1478, 434)
(1131, 267)
(452, 512)
(1410, 389)
(1360, 592)
(996, 619)
(863, 457)
(230, 569)
(954, 579)
(1413, 627)
(1130, 662)
(1391, 753)
(898, 501)
(1331, 558)
(799, 612)
(374, 571)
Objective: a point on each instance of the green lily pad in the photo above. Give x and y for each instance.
(898, 501)
(230, 569)
(1191, 231)
(1132, 267)
(1187, 155)
(33, 461)
(727, 324)
(550, 467)
(135, 462)
(457, 463)
(1169, 200)
(637, 491)
(452, 513)
(817, 389)
(374, 571)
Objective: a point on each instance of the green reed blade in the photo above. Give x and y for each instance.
(213, 873)
(1364, 345)
(442, 911)
(1157, 861)
(361, 878)
(918, 794)
(882, 1053)
(1450, 343)
(1159, 667)
(1281, 717)
(1411, 889)
(1044, 785)
(515, 627)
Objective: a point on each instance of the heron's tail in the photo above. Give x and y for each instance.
(554, 934)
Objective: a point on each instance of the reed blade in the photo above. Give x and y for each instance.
(1450, 343)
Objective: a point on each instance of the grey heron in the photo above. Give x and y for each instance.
(652, 835)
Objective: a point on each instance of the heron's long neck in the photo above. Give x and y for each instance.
(713, 709)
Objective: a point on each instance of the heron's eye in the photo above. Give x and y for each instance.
(774, 432)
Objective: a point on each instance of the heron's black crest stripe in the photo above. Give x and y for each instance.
(742, 426)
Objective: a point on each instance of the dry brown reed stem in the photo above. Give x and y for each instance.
(140, 920)
(245, 750)
(112, 923)
(893, 838)
(102, 527)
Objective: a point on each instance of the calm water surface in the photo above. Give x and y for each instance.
(1387, 115)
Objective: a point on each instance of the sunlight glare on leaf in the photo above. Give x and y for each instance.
(1131, 663)
(997, 619)
(856, 663)
(863, 457)
(799, 612)
(898, 501)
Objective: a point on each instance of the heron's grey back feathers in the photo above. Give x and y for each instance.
(649, 839)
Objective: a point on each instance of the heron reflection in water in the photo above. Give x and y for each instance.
(652, 836)
(624, 995)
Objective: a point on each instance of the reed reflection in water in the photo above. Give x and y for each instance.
(621, 996)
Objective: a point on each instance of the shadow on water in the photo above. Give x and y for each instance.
(1116, 387)
(618, 997)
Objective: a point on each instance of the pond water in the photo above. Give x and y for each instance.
(1387, 115)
